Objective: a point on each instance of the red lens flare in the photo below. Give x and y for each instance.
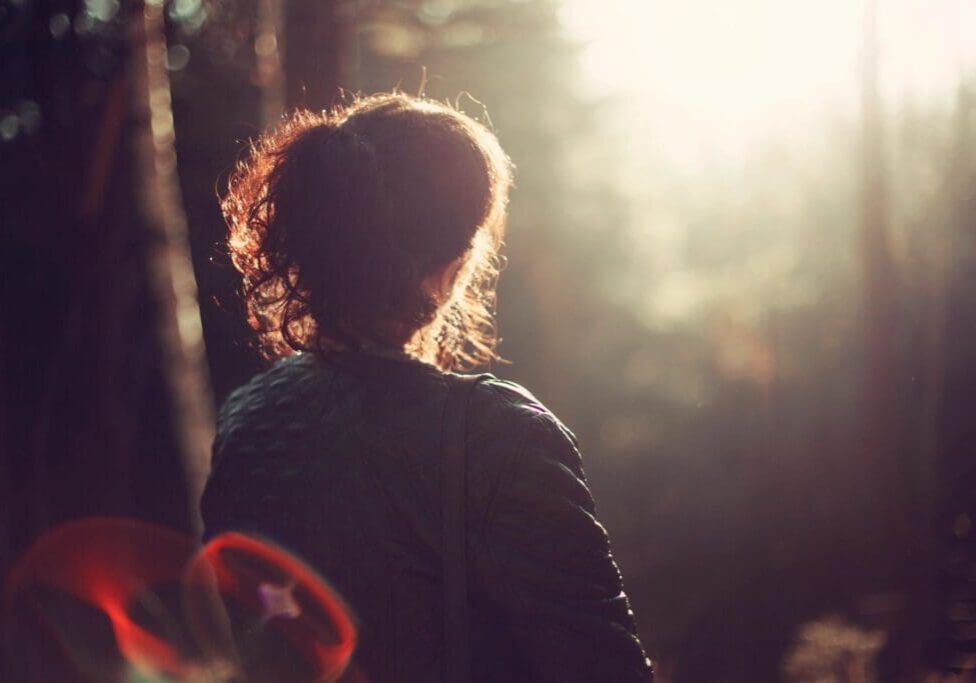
(109, 563)
(275, 588)
(235, 586)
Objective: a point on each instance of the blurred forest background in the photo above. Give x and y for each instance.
(742, 258)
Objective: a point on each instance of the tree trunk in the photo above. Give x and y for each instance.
(316, 44)
(170, 269)
(105, 410)
(880, 441)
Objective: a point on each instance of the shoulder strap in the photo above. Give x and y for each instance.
(454, 537)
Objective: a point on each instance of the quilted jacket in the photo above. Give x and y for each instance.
(338, 459)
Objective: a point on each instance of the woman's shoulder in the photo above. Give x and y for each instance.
(513, 404)
(292, 376)
(507, 423)
(273, 404)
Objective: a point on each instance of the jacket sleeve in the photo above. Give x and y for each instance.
(544, 563)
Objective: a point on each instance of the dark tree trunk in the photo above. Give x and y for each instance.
(217, 107)
(101, 407)
(316, 48)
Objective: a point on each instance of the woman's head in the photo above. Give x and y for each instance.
(340, 221)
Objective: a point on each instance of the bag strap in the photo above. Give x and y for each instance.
(454, 538)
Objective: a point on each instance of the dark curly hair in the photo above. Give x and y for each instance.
(336, 218)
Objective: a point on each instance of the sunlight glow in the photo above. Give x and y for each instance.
(707, 78)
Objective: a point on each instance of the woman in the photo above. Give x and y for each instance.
(367, 239)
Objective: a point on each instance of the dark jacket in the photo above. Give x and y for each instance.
(338, 459)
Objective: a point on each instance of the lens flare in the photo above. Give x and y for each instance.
(244, 608)
(270, 593)
(109, 564)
